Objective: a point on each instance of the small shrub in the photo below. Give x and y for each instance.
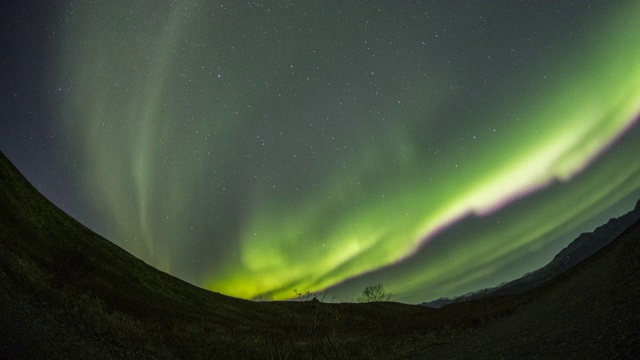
(309, 296)
(374, 293)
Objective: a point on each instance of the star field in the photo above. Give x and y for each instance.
(254, 148)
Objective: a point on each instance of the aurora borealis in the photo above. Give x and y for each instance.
(254, 148)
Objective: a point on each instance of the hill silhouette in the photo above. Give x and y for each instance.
(577, 251)
(66, 292)
(588, 312)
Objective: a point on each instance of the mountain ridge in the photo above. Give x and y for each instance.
(585, 245)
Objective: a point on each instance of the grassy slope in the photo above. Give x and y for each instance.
(65, 292)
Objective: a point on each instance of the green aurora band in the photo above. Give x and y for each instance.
(254, 150)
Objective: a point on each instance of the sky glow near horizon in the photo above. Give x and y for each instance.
(255, 149)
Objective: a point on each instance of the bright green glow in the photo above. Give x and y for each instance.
(484, 256)
(218, 152)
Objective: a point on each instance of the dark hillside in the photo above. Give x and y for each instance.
(590, 312)
(66, 293)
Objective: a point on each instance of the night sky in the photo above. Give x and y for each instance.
(257, 147)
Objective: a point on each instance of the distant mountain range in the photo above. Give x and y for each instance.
(578, 250)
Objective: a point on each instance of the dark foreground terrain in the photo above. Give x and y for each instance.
(66, 293)
(591, 312)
